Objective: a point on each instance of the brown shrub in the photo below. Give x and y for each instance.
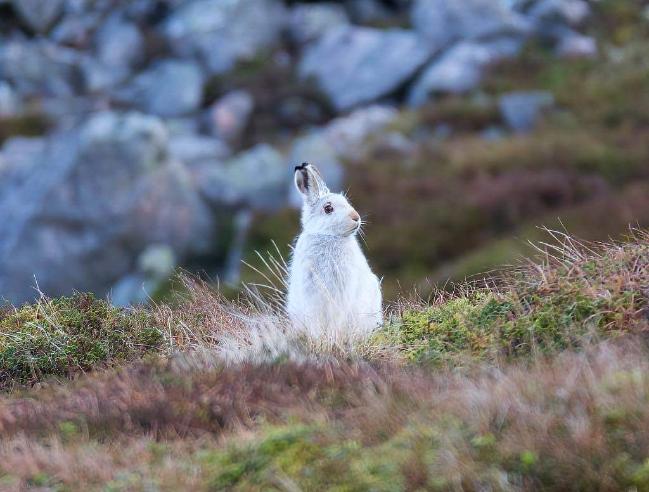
(158, 399)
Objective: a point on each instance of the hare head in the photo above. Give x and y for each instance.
(323, 212)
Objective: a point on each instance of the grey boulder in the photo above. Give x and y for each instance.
(120, 47)
(442, 22)
(154, 266)
(168, 88)
(10, 102)
(98, 197)
(190, 148)
(40, 68)
(357, 65)
(461, 68)
(576, 45)
(347, 134)
(521, 110)
(368, 11)
(39, 15)
(255, 179)
(308, 22)
(572, 12)
(224, 32)
(229, 116)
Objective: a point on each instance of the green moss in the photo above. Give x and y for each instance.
(460, 326)
(62, 336)
(307, 457)
(442, 447)
(25, 125)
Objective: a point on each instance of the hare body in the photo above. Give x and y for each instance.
(332, 289)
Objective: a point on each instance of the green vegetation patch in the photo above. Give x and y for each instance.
(306, 456)
(550, 308)
(67, 335)
(31, 124)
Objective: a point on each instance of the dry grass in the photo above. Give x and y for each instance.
(576, 422)
(577, 294)
(180, 398)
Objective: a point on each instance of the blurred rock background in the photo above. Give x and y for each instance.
(141, 136)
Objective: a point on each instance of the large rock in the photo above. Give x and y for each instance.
(39, 15)
(347, 134)
(154, 267)
(41, 68)
(97, 198)
(224, 32)
(10, 103)
(372, 12)
(572, 12)
(76, 28)
(521, 110)
(168, 88)
(191, 148)
(461, 68)
(575, 45)
(120, 45)
(442, 22)
(252, 179)
(308, 22)
(357, 65)
(19, 160)
(229, 116)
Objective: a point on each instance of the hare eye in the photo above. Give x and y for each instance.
(328, 208)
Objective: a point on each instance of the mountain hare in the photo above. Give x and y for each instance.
(332, 289)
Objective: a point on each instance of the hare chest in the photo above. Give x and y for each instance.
(332, 288)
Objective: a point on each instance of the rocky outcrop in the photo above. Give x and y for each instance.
(96, 199)
(39, 15)
(461, 68)
(356, 65)
(522, 110)
(252, 179)
(160, 113)
(168, 88)
(308, 22)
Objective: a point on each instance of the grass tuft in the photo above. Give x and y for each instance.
(69, 335)
(581, 292)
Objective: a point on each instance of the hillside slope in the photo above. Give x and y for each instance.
(538, 380)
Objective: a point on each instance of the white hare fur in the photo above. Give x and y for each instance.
(332, 291)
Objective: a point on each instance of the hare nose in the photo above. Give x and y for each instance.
(354, 216)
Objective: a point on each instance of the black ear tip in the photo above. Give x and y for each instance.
(301, 166)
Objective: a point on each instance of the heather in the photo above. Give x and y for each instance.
(574, 422)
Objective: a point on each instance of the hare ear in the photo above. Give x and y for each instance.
(302, 179)
(309, 182)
